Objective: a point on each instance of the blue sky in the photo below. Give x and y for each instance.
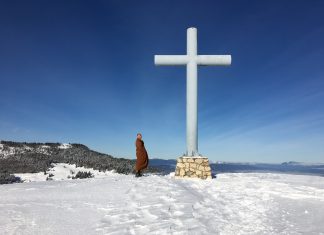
(83, 71)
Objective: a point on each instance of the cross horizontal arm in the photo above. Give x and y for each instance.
(170, 59)
(214, 60)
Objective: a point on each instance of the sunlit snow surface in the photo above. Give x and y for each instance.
(240, 203)
(61, 171)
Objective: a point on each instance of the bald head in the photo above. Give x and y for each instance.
(139, 136)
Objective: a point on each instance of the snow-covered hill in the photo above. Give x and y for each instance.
(22, 157)
(8, 150)
(232, 203)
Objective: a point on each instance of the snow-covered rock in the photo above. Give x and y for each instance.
(64, 146)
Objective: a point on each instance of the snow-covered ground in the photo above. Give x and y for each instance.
(241, 203)
(61, 171)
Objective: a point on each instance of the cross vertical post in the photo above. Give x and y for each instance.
(192, 93)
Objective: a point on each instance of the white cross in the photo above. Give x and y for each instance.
(192, 60)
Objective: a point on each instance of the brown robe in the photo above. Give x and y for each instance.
(141, 155)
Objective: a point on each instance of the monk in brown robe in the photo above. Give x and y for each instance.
(141, 156)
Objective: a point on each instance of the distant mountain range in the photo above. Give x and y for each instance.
(291, 167)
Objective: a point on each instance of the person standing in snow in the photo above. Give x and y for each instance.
(142, 159)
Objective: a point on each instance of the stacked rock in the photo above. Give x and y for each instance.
(193, 167)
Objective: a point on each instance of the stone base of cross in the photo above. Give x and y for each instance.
(193, 167)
